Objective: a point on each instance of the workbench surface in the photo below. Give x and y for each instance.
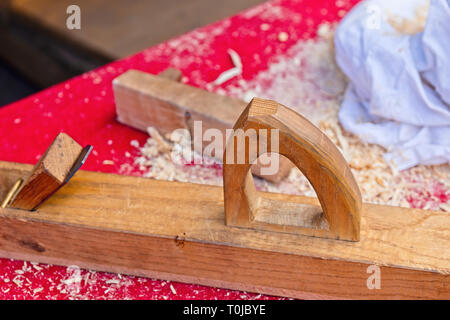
(84, 108)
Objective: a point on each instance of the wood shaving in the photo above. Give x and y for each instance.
(445, 207)
(112, 281)
(173, 289)
(163, 146)
(264, 26)
(283, 36)
(162, 159)
(227, 75)
(37, 290)
(17, 281)
(235, 58)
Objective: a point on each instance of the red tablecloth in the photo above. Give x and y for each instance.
(84, 108)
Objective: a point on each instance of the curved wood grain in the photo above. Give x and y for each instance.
(317, 158)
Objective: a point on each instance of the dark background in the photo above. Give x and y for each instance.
(37, 50)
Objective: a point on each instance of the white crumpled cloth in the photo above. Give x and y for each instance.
(399, 90)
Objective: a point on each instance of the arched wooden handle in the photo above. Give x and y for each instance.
(312, 152)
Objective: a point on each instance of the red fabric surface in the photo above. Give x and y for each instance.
(84, 108)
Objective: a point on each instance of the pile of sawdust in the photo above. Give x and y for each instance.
(162, 158)
(308, 80)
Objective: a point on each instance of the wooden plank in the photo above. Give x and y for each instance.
(144, 100)
(177, 231)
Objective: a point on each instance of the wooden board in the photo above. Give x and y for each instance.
(176, 231)
(144, 100)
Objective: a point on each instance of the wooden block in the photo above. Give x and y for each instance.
(109, 29)
(49, 173)
(176, 231)
(316, 157)
(144, 100)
